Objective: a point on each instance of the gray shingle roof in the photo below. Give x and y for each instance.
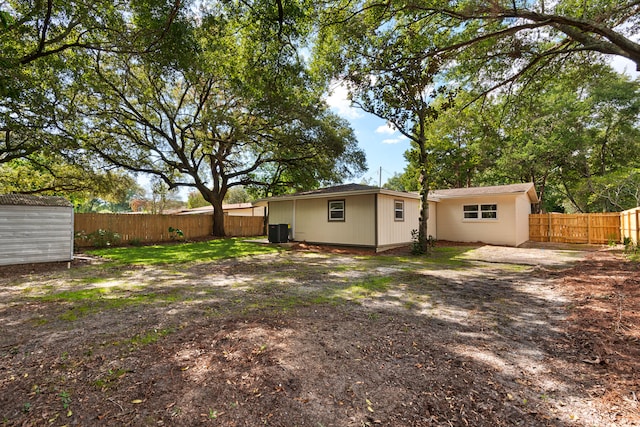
(29, 200)
(338, 189)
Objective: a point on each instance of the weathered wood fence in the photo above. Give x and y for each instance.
(155, 228)
(630, 225)
(592, 228)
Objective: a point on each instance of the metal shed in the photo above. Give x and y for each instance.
(35, 229)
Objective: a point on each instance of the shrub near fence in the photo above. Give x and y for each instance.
(155, 228)
(593, 228)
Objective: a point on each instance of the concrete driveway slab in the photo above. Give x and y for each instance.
(525, 256)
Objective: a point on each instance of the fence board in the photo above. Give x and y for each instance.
(593, 228)
(155, 228)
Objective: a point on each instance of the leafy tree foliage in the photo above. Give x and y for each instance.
(499, 42)
(234, 195)
(43, 53)
(574, 135)
(235, 109)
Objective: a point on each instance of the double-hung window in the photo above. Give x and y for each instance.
(336, 210)
(398, 210)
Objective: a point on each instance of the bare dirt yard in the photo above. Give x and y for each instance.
(309, 337)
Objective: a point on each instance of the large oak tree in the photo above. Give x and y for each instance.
(236, 109)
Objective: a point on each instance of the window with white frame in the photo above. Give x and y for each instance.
(484, 211)
(336, 210)
(398, 210)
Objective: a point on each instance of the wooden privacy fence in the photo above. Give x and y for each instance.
(155, 228)
(592, 228)
(630, 225)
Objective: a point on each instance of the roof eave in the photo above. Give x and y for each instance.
(530, 191)
(336, 194)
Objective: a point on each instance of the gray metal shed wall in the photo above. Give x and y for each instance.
(30, 234)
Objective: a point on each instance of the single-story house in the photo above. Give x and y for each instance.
(362, 215)
(35, 229)
(350, 215)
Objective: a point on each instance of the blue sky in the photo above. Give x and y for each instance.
(383, 145)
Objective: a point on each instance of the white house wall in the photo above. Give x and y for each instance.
(281, 212)
(432, 222)
(523, 209)
(312, 221)
(32, 234)
(390, 231)
(452, 226)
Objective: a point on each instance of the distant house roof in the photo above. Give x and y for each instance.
(209, 209)
(29, 200)
(338, 191)
(493, 190)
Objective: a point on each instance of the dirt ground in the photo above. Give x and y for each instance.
(311, 337)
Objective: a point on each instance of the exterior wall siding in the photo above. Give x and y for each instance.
(281, 212)
(32, 234)
(311, 223)
(452, 226)
(523, 209)
(390, 231)
(432, 222)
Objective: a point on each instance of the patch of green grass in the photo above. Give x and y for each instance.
(364, 288)
(76, 295)
(442, 256)
(150, 337)
(185, 252)
(84, 302)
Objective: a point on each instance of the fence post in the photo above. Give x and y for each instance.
(637, 242)
(628, 227)
(549, 228)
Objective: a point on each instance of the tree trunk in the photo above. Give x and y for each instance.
(218, 218)
(423, 232)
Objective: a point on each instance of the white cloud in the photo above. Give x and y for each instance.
(392, 141)
(624, 66)
(387, 129)
(339, 101)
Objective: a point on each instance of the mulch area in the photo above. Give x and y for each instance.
(604, 326)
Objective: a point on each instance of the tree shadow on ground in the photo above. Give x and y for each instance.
(322, 340)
